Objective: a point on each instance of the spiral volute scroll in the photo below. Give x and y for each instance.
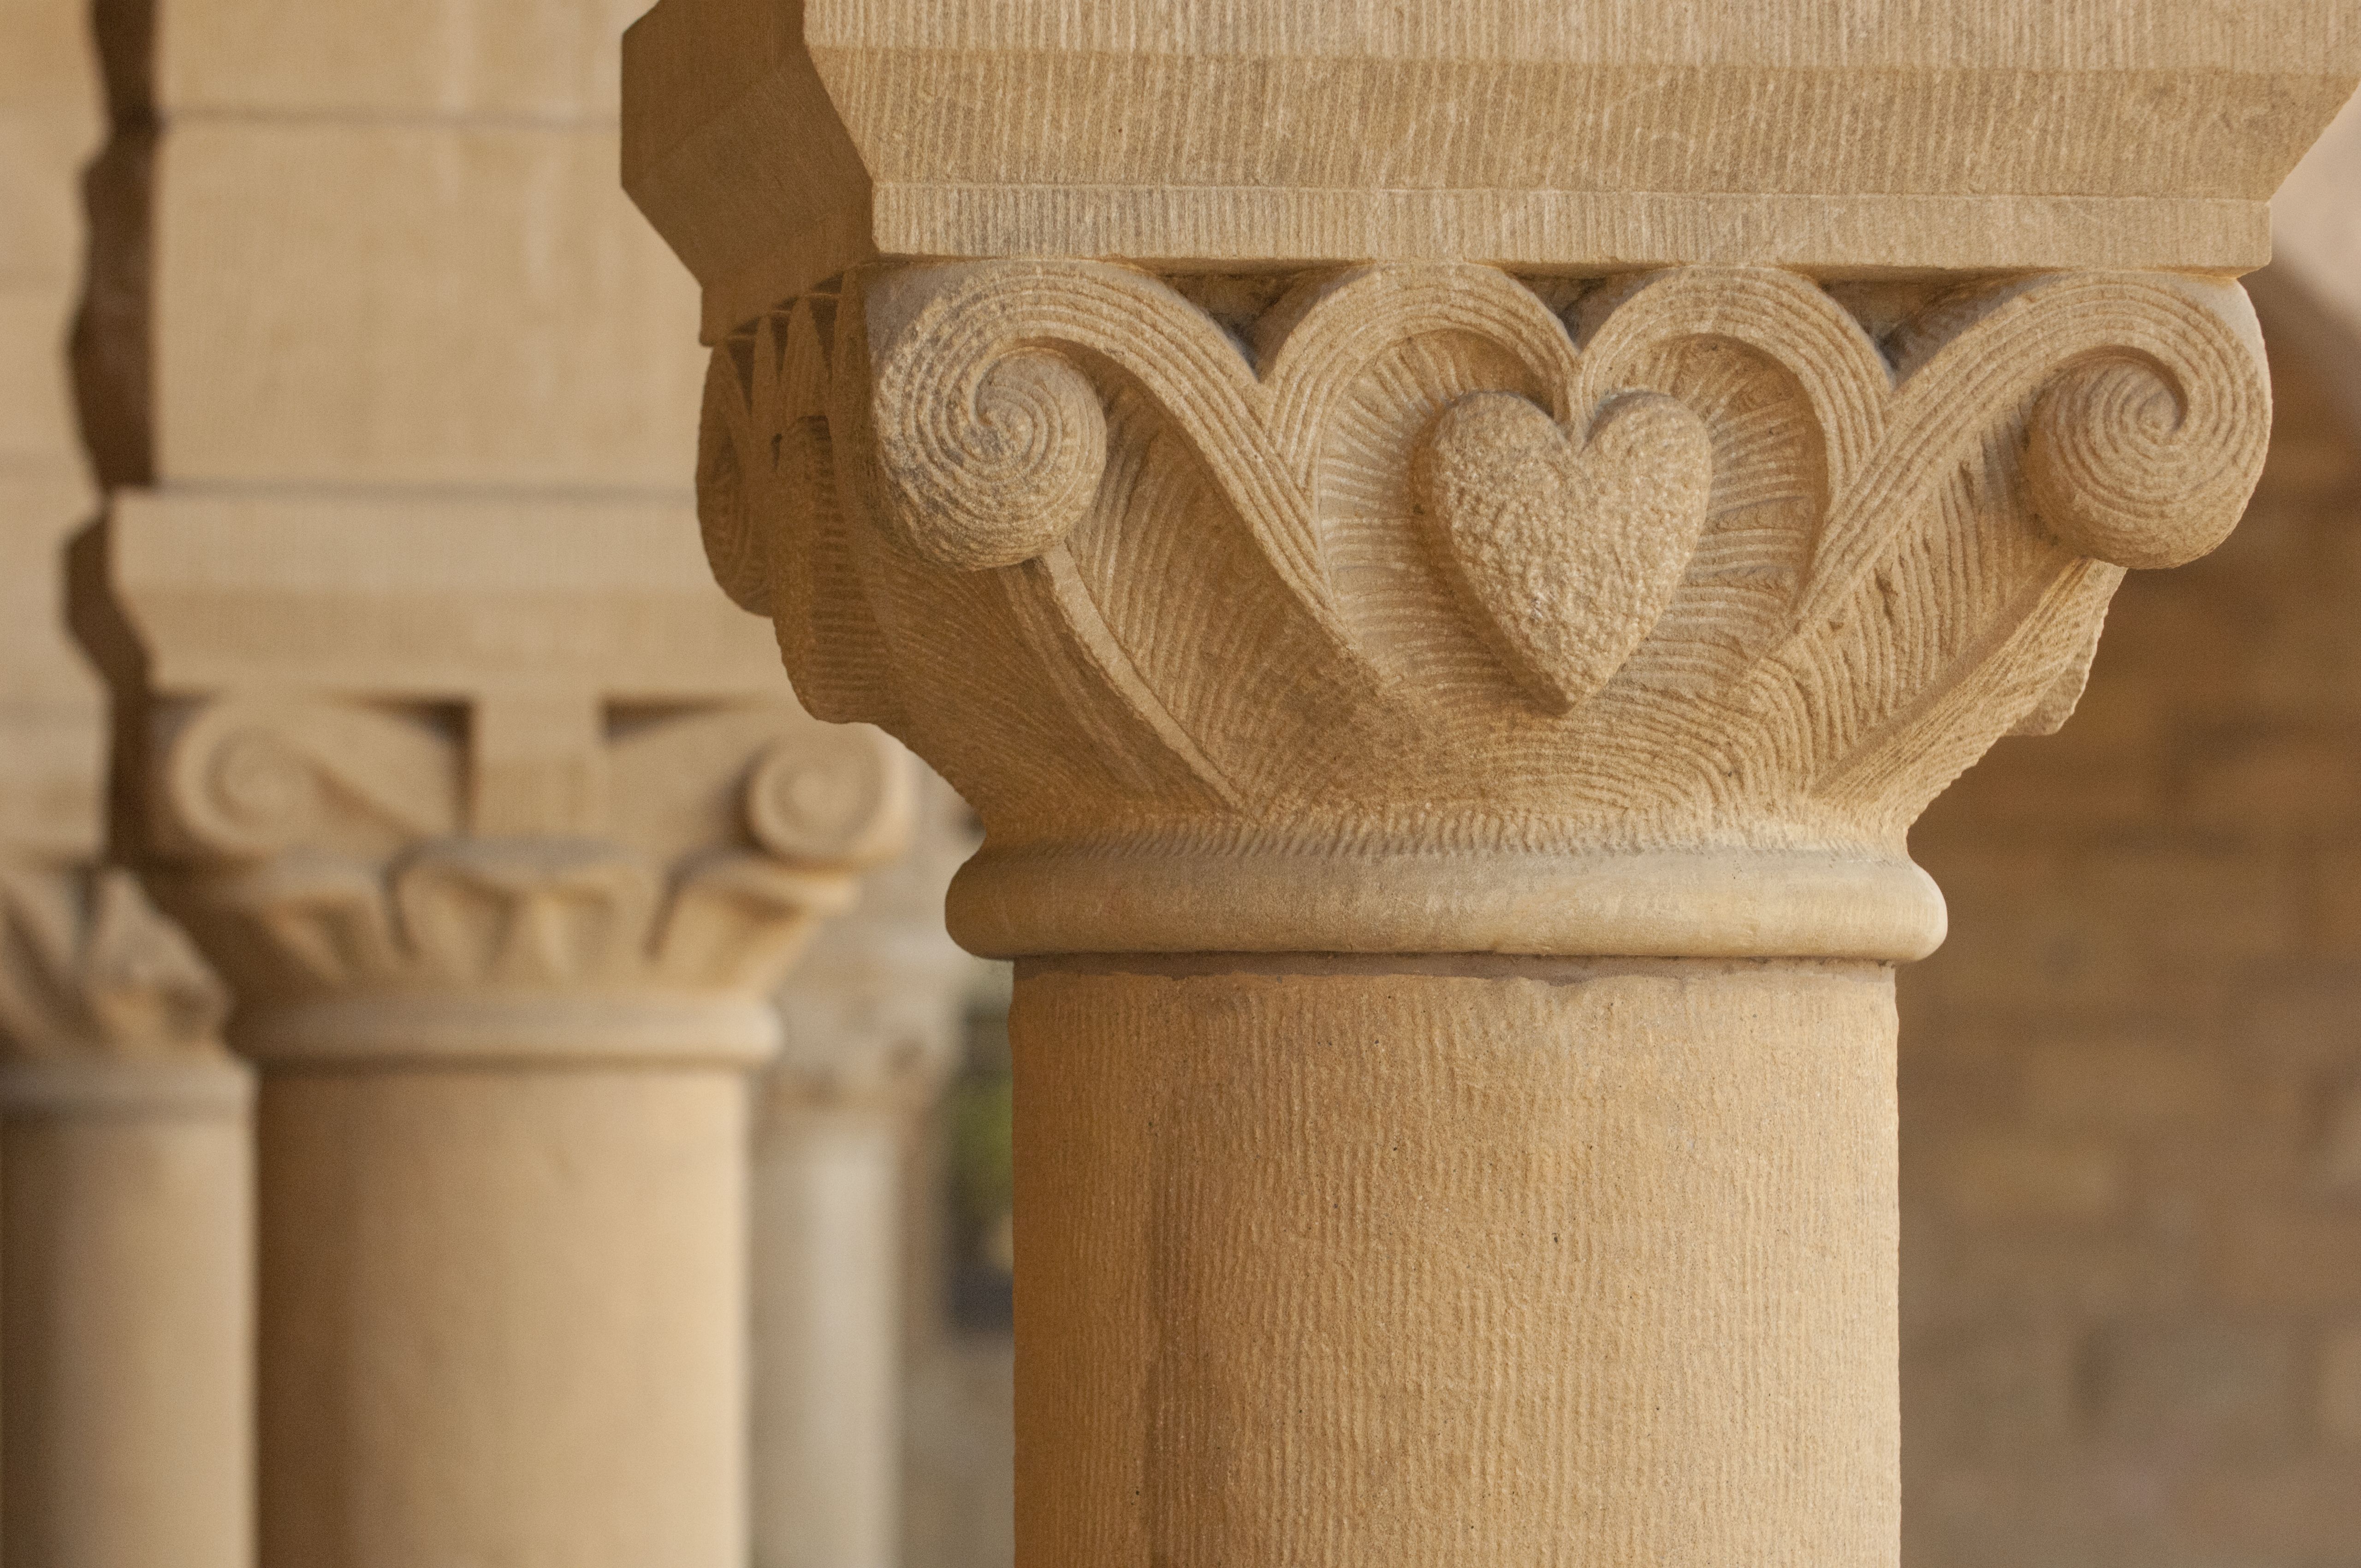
(839, 796)
(2126, 465)
(238, 785)
(991, 458)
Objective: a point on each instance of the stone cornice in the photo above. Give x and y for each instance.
(1416, 607)
(776, 145)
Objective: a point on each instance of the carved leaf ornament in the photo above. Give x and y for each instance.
(1420, 561)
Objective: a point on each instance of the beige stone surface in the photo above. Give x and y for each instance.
(1218, 654)
(126, 1300)
(1518, 1262)
(492, 819)
(827, 1324)
(1356, 557)
(777, 145)
(492, 314)
(433, 596)
(870, 1021)
(125, 1250)
(494, 1318)
(50, 122)
(2316, 216)
(2316, 236)
(126, 1234)
(543, 60)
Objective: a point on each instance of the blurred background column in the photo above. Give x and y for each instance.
(874, 1018)
(497, 817)
(125, 1298)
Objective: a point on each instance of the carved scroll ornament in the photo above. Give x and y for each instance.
(1428, 607)
(318, 847)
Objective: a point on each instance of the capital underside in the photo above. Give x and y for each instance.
(1431, 608)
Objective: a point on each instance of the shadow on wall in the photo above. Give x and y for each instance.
(2131, 1080)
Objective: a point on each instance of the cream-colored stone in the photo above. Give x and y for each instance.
(504, 847)
(459, 59)
(384, 303)
(37, 427)
(126, 1302)
(126, 1212)
(1446, 730)
(1357, 1262)
(432, 598)
(51, 119)
(496, 1317)
(2316, 236)
(1720, 762)
(827, 1358)
(2316, 218)
(777, 145)
(871, 1021)
(124, 1423)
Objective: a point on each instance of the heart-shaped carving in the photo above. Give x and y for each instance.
(1566, 550)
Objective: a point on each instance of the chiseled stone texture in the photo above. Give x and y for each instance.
(2131, 1080)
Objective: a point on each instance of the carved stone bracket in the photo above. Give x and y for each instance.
(1430, 608)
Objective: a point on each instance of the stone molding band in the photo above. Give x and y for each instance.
(379, 1030)
(1658, 904)
(185, 1087)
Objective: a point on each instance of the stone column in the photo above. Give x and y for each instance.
(873, 1017)
(503, 843)
(125, 1251)
(1447, 726)
(126, 1300)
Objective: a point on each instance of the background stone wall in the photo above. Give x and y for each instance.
(2131, 1080)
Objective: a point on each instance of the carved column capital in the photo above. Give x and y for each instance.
(556, 848)
(321, 847)
(104, 1003)
(1428, 607)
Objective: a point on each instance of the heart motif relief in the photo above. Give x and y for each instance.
(1565, 550)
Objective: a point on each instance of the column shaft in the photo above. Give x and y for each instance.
(827, 1340)
(1415, 1262)
(126, 1290)
(503, 1315)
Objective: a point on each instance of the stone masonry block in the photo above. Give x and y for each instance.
(388, 304)
(555, 59)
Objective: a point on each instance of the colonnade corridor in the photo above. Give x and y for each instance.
(764, 761)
